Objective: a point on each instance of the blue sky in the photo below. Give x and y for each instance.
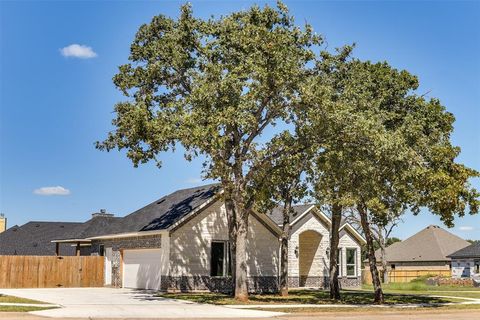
(53, 108)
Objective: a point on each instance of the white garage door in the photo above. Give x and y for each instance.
(141, 269)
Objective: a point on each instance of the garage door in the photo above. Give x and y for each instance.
(141, 269)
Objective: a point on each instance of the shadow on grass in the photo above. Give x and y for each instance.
(307, 297)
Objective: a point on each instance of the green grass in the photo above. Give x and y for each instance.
(371, 309)
(419, 286)
(11, 299)
(22, 308)
(308, 297)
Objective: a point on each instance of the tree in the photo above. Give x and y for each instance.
(282, 186)
(214, 87)
(407, 160)
(381, 228)
(389, 151)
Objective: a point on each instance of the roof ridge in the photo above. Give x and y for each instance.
(435, 231)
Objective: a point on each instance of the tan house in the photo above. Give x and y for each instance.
(426, 252)
(180, 242)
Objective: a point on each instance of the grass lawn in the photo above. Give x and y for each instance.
(419, 286)
(11, 299)
(308, 297)
(373, 310)
(22, 309)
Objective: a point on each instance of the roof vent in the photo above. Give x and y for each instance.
(102, 213)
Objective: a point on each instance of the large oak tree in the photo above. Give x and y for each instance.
(214, 87)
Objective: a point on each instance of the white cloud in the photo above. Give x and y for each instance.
(465, 228)
(194, 180)
(78, 51)
(52, 191)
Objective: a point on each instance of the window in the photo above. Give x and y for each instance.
(101, 250)
(393, 267)
(351, 262)
(339, 261)
(220, 259)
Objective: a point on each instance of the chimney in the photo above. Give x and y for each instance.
(102, 213)
(3, 223)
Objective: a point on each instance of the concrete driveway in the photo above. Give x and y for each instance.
(124, 303)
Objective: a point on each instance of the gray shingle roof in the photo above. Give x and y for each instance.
(431, 244)
(94, 227)
(34, 238)
(472, 251)
(277, 213)
(164, 212)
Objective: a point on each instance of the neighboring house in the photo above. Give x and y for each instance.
(466, 261)
(180, 242)
(35, 238)
(427, 250)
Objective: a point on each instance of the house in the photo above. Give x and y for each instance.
(426, 252)
(35, 238)
(466, 261)
(180, 242)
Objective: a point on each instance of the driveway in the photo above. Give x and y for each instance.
(124, 303)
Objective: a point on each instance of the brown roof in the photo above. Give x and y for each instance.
(431, 244)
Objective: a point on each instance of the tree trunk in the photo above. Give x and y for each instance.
(334, 240)
(241, 287)
(232, 237)
(382, 244)
(284, 249)
(377, 286)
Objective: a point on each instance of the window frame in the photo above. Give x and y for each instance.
(355, 264)
(339, 262)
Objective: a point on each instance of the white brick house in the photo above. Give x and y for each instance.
(180, 242)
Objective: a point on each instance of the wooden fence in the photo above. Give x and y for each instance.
(51, 272)
(395, 276)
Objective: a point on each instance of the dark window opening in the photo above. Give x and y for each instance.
(217, 259)
(393, 267)
(101, 250)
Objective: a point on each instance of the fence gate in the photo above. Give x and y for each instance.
(51, 272)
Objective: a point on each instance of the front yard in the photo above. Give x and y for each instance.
(357, 297)
(16, 304)
(412, 295)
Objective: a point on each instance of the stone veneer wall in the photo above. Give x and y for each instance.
(146, 242)
(256, 284)
(322, 282)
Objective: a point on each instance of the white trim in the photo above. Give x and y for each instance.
(263, 217)
(202, 206)
(302, 215)
(71, 241)
(355, 232)
(129, 235)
